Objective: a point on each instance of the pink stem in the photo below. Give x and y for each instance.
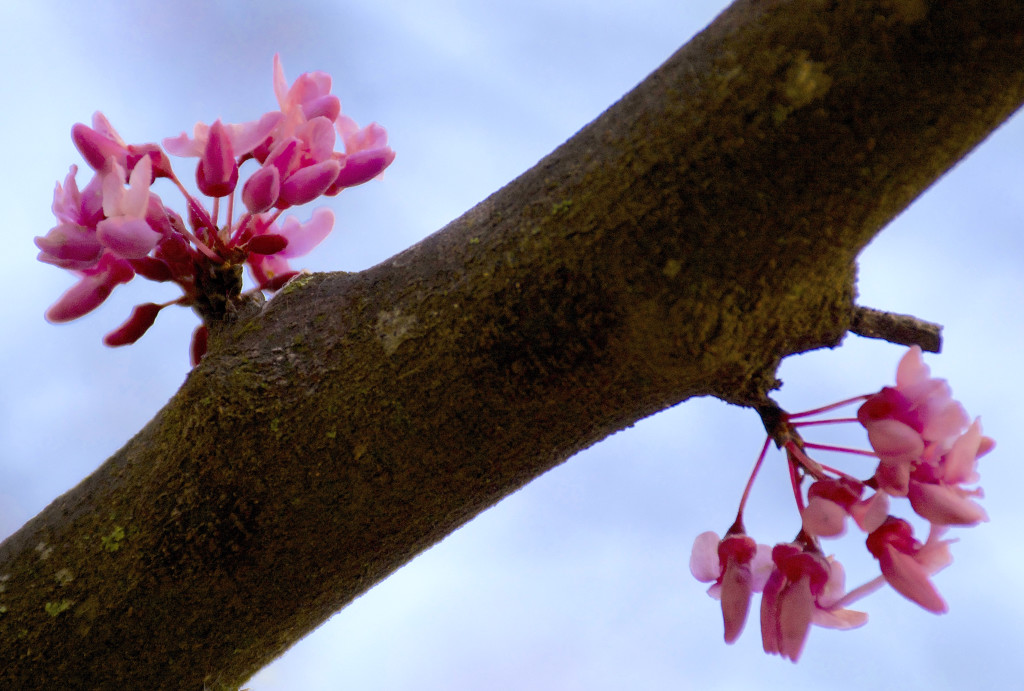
(840, 449)
(827, 408)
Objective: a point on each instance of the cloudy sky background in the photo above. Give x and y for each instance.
(579, 581)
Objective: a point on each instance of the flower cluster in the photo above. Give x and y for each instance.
(926, 450)
(117, 228)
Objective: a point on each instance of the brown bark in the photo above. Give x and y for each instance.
(682, 244)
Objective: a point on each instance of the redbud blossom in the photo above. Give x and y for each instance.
(804, 588)
(738, 566)
(907, 564)
(922, 449)
(116, 227)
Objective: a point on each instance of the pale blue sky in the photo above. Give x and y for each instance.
(579, 581)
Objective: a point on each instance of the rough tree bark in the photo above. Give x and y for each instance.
(700, 230)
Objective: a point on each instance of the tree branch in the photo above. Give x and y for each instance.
(897, 328)
(682, 244)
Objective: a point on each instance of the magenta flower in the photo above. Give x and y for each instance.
(738, 568)
(92, 289)
(117, 228)
(922, 449)
(936, 486)
(804, 588)
(832, 500)
(301, 238)
(907, 564)
(916, 420)
(124, 230)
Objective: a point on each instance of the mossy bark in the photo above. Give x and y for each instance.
(682, 244)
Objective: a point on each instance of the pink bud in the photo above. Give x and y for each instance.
(307, 184)
(267, 244)
(91, 290)
(96, 148)
(138, 323)
(152, 268)
(361, 167)
(217, 173)
(261, 190)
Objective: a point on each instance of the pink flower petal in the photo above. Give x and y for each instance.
(128, 238)
(704, 563)
(945, 505)
(304, 237)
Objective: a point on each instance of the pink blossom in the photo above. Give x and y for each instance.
(907, 564)
(831, 501)
(367, 153)
(99, 143)
(301, 237)
(91, 290)
(244, 137)
(125, 230)
(804, 588)
(738, 566)
(307, 98)
(917, 420)
(79, 207)
(117, 228)
(936, 489)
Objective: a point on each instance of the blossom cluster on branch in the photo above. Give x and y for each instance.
(926, 450)
(117, 228)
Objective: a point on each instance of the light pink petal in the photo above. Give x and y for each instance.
(280, 83)
(704, 564)
(318, 137)
(824, 518)
(944, 505)
(894, 440)
(247, 136)
(961, 460)
(761, 567)
(136, 199)
(189, 147)
(870, 513)
(893, 477)
(303, 238)
(910, 579)
(835, 587)
(935, 555)
(113, 190)
(796, 606)
(839, 619)
(736, 590)
(103, 126)
(911, 371)
(128, 238)
(945, 422)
